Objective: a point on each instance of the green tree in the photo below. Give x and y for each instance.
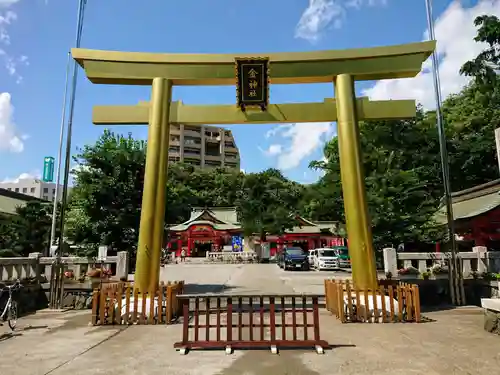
(401, 196)
(401, 158)
(485, 66)
(106, 199)
(267, 203)
(27, 231)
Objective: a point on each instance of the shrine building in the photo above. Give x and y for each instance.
(476, 213)
(208, 229)
(307, 235)
(211, 229)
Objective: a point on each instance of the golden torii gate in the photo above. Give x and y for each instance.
(342, 68)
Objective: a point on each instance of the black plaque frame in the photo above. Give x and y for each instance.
(261, 64)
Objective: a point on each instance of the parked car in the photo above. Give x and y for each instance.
(326, 259)
(310, 257)
(343, 254)
(293, 258)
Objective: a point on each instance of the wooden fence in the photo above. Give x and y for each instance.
(250, 321)
(120, 303)
(387, 304)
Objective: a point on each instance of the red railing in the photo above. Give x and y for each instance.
(250, 321)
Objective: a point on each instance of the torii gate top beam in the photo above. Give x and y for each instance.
(139, 68)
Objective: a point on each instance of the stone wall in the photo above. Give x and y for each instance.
(492, 321)
(36, 267)
(478, 260)
(36, 297)
(30, 299)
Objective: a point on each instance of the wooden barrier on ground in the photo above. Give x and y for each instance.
(387, 304)
(250, 321)
(120, 303)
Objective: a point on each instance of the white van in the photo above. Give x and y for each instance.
(310, 256)
(325, 259)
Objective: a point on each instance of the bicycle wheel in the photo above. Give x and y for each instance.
(12, 315)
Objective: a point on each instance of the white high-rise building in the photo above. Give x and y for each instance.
(33, 187)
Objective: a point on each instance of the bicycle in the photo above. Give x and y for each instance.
(9, 313)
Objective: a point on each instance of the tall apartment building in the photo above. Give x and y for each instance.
(33, 187)
(203, 146)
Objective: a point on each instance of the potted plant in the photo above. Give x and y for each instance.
(492, 278)
(439, 271)
(426, 275)
(408, 273)
(69, 274)
(94, 275)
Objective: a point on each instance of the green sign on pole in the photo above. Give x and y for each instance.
(48, 169)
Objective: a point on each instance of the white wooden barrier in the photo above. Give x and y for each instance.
(230, 257)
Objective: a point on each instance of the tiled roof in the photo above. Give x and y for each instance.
(472, 202)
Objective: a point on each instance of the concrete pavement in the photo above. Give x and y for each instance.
(62, 343)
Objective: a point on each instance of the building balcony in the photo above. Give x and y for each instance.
(234, 157)
(192, 155)
(192, 133)
(212, 139)
(192, 145)
(213, 157)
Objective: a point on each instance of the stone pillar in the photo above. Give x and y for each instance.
(122, 265)
(36, 268)
(102, 253)
(482, 261)
(390, 261)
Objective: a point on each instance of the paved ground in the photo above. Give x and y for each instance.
(63, 343)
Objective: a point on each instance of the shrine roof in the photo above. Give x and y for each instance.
(471, 202)
(314, 227)
(224, 218)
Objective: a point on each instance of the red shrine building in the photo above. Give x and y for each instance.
(307, 235)
(211, 229)
(476, 212)
(208, 229)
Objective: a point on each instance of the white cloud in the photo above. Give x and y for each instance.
(274, 149)
(321, 14)
(303, 139)
(454, 31)
(23, 176)
(7, 3)
(10, 140)
(7, 18)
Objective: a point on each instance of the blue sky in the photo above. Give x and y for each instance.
(35, 36)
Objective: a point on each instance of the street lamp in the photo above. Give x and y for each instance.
(445, 168)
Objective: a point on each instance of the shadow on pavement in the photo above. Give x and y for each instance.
(205, 288)
(30, 327)
(9, 335)
(296, 349)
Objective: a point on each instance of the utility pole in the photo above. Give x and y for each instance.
(445, 167)
(79, 29)
(57, 273)
(59, 159)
